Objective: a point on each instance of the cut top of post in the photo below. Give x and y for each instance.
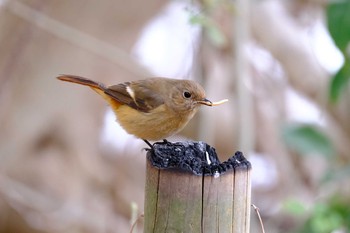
(198, 158)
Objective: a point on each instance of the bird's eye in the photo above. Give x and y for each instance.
(187, 94)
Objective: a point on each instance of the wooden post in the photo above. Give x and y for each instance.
(188, 190)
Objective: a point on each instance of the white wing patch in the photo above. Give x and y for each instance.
(131, 92)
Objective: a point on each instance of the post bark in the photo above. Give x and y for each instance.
(196, 194)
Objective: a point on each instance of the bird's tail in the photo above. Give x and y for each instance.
(81, 80)
(96, 86)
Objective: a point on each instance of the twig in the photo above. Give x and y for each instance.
(76, 36)
(135, 222)
(260, 220)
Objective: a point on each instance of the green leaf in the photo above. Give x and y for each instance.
(294, 207)
(307, 139)
(338, 17)
(339, 23)
(339, 81)
(331, 215)
(338, 174)
(211, 29)
(198, 19)
(216, 36)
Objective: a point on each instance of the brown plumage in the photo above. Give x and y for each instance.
(150, 109)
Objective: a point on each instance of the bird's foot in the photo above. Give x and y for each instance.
(149, 144)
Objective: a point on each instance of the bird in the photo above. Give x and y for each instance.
(150, 109)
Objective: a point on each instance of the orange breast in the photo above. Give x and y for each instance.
(158, 124)
(155, 125)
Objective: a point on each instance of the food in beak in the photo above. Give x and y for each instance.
(209, 103)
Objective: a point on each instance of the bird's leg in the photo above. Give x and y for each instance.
(166, 142)
(148, 143)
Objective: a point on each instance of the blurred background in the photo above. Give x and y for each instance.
(67, 166)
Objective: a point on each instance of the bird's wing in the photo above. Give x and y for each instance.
(137, 95)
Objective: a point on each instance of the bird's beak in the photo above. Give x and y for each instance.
(209, 103)
(205, 102)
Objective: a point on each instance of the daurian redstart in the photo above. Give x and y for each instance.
(150, 109)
